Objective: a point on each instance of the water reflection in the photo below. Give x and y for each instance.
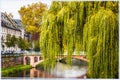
(60, 70)
(64, 70)
(35, 73)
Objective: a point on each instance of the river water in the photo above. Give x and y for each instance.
(61, 70)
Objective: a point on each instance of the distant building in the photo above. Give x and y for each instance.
(10, 26)
(25, 35)
(18, 22)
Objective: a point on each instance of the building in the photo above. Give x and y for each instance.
(25, 35)
(18, 21)
(10, 26)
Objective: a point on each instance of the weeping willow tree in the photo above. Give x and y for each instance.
(61, 28)
(69, 27)
(100, 41)
(101, 37)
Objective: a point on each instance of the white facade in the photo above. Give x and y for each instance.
(9, 26)
(20, 27)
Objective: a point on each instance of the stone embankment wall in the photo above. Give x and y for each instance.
(7, 62)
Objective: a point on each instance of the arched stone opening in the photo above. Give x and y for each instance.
(40, 58)
(27, 59)
(35, 59)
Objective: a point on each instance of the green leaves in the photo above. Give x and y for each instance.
(31, 16)
(101, 51)
(23, 44)
(10, 40)
(92, 27)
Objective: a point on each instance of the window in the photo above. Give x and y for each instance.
(2, 29)
(7, 30)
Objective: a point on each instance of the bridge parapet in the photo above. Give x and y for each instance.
(32, 54)
(78, 56)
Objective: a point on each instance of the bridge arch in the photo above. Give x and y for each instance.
(32, 60)
(27, 60)
(36, 59)
(40, 58)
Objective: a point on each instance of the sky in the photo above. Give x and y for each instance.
(12, 6)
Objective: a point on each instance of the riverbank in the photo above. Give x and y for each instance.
(11, 61)
(7, 71)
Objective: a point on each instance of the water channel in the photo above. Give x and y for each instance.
(61, 70)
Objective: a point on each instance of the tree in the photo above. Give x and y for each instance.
(22, 44)
(37, 46)
(32, 16)
(26, 45)
(88, 26)
(13, 41)
(35, 39)
(8, 40)
(101, 31)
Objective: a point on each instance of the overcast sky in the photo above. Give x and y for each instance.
(12, 6)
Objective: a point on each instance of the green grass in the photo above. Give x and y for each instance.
(6, 71)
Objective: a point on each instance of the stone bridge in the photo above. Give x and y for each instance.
(35, 59)
(32, 59)
(80, 57)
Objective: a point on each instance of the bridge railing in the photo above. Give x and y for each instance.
(34, 54)
(11, 54)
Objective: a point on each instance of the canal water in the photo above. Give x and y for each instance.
(61, 70)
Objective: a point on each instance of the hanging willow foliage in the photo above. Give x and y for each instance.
(101, 31)
(69, 27)
(61, 29)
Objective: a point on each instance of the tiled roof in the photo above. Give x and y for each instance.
(11, 24)
(18, 21)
